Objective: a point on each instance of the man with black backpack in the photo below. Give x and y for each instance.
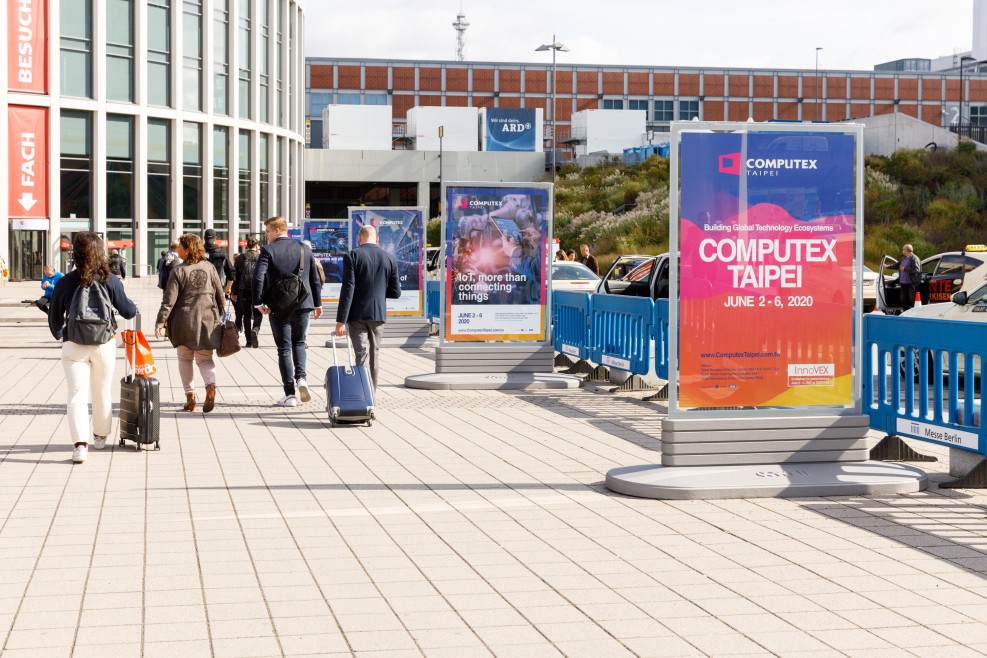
(287, 286)
(219, 259)
(242, 297)
(118, 265)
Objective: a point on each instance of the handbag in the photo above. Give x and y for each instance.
(229, 342)
(140, 359)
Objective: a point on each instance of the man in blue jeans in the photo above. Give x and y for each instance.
(282, 257)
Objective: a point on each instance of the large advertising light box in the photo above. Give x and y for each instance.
(401, 232)
(330, 240)
(767, 242)
(496, 282)
(511, 129)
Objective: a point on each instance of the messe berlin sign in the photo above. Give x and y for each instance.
(767, 242)
(27, 157)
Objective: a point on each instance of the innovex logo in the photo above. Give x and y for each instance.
(730, 163)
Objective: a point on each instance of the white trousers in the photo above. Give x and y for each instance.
(89, 370)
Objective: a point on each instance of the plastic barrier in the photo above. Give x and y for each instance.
(661, 338)
(925, 379)
(432, 301)
(570, 317)
(621, 331)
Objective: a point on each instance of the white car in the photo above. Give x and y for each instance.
(964, 306)
(869, 288)
(573, 276)
(943, 275)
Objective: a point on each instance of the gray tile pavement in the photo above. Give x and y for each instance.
(463, 523)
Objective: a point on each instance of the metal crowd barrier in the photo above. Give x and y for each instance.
(924, 379)
(570, 323)
(621, 332)
(661, 338)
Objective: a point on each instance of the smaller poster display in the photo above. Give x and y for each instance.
(330, 241)
(401, 233)
(496, 275)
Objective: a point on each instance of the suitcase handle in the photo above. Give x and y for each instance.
(130, 365)
(349, 351)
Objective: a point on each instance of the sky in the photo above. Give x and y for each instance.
(853, 35)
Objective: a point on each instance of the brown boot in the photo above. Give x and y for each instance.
(189, 401)
(210, 398)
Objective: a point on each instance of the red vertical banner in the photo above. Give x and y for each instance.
(27, 155)
(27, 51)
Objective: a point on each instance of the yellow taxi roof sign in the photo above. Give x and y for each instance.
(976, 247)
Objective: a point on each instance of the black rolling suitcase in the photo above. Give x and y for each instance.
(349, 391)
(140, 416)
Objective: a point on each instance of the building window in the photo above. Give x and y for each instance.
(263, 64)
(221, 181)
(375, 99)
(318, 101)
(192, 178)
(278, 209)
(158, 170)
(76, 46)
(120, 50)
(221, 56)
(688, 110)
(244, 181)
(292, 69)
(159, 52)
(978, 115)
(347, 99)
(120, 167)
(665, 111)
(265, 175)
(279, 63)
(613, 103)
(192, 55)
(76, 164)
(245, 50)
(639, 104)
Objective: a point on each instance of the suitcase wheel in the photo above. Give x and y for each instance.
(370, 422)
(332, 422)
(157, 446)
(137, 446)
(123, 443)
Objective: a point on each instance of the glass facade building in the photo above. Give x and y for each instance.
(150, 117)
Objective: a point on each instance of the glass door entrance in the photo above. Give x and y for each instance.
(28, 253)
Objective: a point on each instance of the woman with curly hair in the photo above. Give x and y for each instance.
(192, 306)
(88, 368)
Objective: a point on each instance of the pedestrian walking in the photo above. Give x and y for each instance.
(287, 287)
(171, 261)
(248, 318)
(193, 306)
(370, 278)
(118, 265)
(909, 276)
(82, 316)
(220, 260)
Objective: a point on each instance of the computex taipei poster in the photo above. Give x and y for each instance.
(400, 232)
(496, 285)
(767, 239)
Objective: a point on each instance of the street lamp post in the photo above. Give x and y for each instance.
(555, 46)
(816, 82)
(964, 58)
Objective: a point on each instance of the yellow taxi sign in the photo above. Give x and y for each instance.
(976, 247)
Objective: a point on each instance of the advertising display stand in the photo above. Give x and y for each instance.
(496, 290)
(765, 319)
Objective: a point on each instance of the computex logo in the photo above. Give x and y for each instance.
(730, 164)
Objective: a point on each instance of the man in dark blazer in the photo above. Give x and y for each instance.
(280, 258)
(370, 278)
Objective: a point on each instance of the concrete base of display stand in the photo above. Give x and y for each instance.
(479, 381)
(766, 481)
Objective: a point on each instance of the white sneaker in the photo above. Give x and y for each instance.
(303, 393)
(99, 442)
(287, 401)
(80, 454)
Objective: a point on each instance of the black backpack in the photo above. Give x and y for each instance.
(287, 294)
(117, 264)
(90, 319)
(247, 266)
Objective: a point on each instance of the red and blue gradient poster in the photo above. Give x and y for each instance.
(767, 240)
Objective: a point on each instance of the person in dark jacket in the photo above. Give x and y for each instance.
(278, 259)
(88, 368)
(242, 295)
(909, 276)
(219, 259)
(171, 261)
(588, 259)
(370, 278)
(118, 264)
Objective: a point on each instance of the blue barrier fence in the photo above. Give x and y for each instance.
(432, 301)
(923, 382)
(570, 323)
(661, 338)
(621, 332)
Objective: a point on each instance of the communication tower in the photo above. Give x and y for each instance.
(460, 25)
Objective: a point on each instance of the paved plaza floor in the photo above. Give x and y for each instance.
(461, 524)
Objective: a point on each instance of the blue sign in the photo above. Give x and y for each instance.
(401, 233)
(510, 129)
(330, 242)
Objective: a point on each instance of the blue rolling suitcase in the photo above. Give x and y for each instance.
(349, 391)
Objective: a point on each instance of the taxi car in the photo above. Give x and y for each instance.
(943, 275)
(963, 306)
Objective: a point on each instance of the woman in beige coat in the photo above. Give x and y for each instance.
(193, 306)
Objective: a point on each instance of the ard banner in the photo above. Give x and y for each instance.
(400, 232)
(496, 285)
(510, 129)
(330, 241)
(767, 241)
